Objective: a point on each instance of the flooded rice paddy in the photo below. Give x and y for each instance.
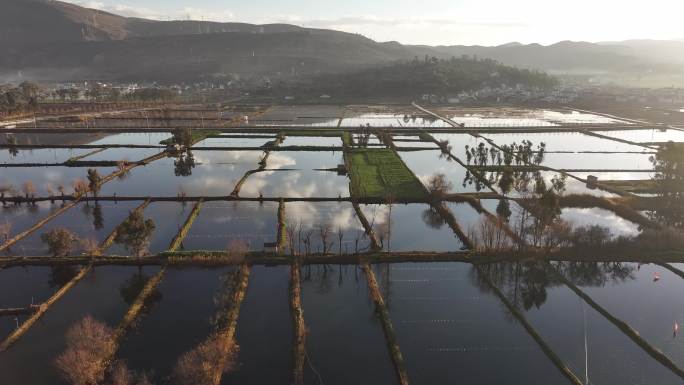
(513, 321)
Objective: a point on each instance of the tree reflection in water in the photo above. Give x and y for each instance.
(525, 284)
(61, 275)
(132, 287)
(98, 218)
(668, 164)
(433, 218)
(184, 163)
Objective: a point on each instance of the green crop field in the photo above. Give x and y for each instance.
(376, 173)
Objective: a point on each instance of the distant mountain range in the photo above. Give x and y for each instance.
(52, 40)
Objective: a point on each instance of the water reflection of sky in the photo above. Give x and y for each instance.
(44, 178)
(303, 180)
(215, 173)
(532, 118)
(449, 328)
(409, 232)
(219, 223)
(134, 138)
(36, 156)
(128, 154)
(337, 216)
(598, 161)
(564, 321)
(595, 216)
(81, 221)
(233, 142)
(564, 141)
(426, 164)
(646, 136)
(312, 141)
(392, 120)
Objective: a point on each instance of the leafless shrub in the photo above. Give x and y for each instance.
(88, 343)
(199, 365)
(7, 189)
(121, 375)
(80, 186)
(490, 235)
(28, 189)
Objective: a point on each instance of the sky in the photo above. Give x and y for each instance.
(435, 22)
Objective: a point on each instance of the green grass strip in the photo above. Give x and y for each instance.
(377, 173)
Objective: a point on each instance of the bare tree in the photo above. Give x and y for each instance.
(324, 232)
(88, 343)
(300, 228)
(121, 375)
(28, 189)
(291, 230)
(307, 241)
(340, 235)
(438, 186)
(80, 186)
(198, 366)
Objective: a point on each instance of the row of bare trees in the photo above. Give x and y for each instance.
(80, 187)
(89, 342)
(319, 239)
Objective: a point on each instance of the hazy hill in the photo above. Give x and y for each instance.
(52, 40)
(42, 21)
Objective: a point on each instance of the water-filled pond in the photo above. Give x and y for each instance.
(102, 294)
(449, 323)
